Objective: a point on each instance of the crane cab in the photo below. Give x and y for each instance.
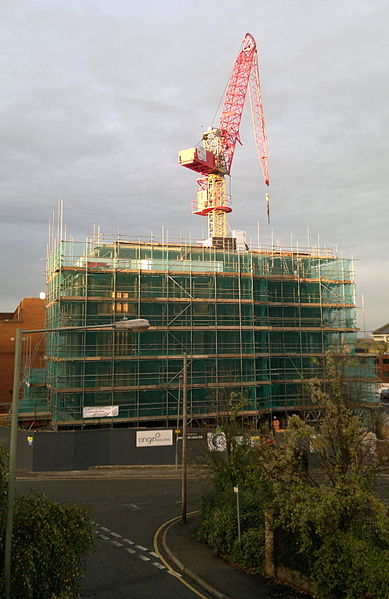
(198, 159)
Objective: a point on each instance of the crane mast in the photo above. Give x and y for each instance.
(212, 157)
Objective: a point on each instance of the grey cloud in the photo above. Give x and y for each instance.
(97, 100)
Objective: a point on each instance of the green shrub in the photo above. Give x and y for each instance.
(49, 543)
(350, 568)
(250, 551)
(219, 529)
(218, 525)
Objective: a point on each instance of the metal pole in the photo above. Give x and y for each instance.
(238, 512)
(12, 463)
(184, 421)
(178, 419)
(236, 491)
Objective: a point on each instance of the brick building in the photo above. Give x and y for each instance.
(382, 361)
(30, 314)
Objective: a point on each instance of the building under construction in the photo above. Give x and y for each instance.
(254, 322)
(251, 321)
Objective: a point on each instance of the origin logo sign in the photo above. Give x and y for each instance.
(152, 438)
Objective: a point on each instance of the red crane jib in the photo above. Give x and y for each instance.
(245, 76)
(235, 97)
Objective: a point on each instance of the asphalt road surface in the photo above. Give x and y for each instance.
(126, 512)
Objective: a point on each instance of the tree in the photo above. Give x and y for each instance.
(331, 507)
(229, 465)
(49, 544)
(319, 511)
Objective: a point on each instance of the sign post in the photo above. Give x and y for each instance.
(178, 438)
(236, 491)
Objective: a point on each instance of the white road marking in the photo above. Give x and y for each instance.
(132, 551)
(145, 559)
(176, 574)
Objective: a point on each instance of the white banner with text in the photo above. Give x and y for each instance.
(152, 438)
(100, 411)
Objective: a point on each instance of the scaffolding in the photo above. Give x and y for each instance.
(256, 322)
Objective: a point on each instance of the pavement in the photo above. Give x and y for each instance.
(112, 472)
(176, 541)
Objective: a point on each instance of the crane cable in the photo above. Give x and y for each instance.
(225, 88)
(221, 99)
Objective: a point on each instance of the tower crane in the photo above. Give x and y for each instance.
(212, 157)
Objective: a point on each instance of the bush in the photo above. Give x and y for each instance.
(218, 526)
(250, 551)
(219, 529)
(49, 543)
(350, 568)
(288, 553)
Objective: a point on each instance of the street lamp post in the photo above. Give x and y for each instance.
(138, 325)
(184, 439)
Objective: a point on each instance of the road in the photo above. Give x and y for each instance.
(127, 512)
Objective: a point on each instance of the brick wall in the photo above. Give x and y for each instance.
(382, 361)
(30, 314)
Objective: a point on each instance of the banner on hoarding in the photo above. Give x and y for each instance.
(152, 438)
(216, 441)
(100, 411)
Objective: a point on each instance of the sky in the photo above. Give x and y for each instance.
(98, 97)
